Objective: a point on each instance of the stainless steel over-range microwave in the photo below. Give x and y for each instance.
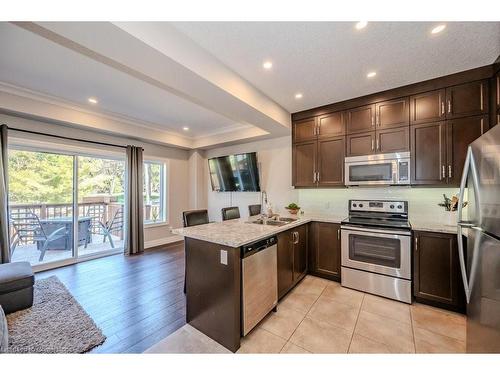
(380, 169)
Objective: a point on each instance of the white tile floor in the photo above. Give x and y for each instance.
(320, 316)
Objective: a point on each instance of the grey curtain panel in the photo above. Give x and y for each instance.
(4, 206)
(135, 213)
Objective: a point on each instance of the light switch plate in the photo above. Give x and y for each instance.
(223, 257)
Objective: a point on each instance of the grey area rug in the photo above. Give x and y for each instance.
(56, 323)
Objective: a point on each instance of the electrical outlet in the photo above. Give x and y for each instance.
(223, 257)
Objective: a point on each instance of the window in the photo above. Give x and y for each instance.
(154, 192)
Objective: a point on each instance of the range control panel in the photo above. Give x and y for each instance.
(398, 207)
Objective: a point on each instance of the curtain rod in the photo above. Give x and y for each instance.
(66, 138)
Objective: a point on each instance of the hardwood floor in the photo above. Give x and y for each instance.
(136, 301)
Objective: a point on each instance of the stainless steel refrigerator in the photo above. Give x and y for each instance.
(480, 266)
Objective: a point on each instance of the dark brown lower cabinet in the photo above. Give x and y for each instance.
(292, 258)
(436, 270)
(324, 250)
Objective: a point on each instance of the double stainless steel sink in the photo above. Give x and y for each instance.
(279, 221)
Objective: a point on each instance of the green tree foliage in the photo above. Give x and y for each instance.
(39, 177)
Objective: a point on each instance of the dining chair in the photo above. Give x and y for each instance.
(190, 219)
(230, 213)
(254, 209)
(194, 217)
(27, 227)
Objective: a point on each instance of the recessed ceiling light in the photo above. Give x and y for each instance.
(371, 74)
(438, 29)
(185, 128)
(298, 95)
(361, 25)
(267, 65)
(93, 100)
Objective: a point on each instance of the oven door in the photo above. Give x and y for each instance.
(372, 172)
(380, 251)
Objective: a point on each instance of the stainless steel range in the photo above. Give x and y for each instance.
(376, 248)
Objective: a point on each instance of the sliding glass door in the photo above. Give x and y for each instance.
(64, 206)
(101, 197)
(41, 206)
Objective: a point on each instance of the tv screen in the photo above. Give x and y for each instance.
(234, 173)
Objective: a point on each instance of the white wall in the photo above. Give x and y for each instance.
(274, 156)
(177, 161)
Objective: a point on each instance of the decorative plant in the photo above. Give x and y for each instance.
(451, 204)
(293, 208)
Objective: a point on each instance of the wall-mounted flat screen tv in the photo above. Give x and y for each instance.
(234, 172)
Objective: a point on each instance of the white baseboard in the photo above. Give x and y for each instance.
(162, 241)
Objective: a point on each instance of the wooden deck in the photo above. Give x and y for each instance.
(136, 300)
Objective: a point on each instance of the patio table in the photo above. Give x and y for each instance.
(66, 243)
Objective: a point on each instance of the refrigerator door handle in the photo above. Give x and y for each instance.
(461, 258)
(468, 282)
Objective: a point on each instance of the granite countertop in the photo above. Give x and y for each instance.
(239, 232)
(420, 224)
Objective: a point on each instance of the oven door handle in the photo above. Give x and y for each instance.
(370, 230)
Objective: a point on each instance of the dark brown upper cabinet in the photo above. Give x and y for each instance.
(304, 164)
(469, 99)
(427, 107)
(436, 270)
(459, 134)
(393, 140)
(331, 125)
(331, 161)
(304, 130)
(360, 144)
(324, 250)
(392, 113)
(428, 153)
(360, 119)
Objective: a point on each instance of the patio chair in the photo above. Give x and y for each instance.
(27, 227)
(115, 224)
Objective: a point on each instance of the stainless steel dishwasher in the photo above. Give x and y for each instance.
(259, 287)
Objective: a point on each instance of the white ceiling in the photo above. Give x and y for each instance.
(30, 61)
(328, 61)
(209, 76)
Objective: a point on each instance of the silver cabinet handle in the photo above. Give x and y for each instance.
(449, 106)
(338, 234)
(416, 243)
(442, 108)
(298, 237)
(373, 145)
(317, 176)
(378, 145)
(443, 174)
(314, 176)
(449, 171)
(373, 121)
(295, 237)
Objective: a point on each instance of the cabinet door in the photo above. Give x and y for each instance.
(304, 130)
(285, 262)
(304, 164)
(468, 99)
(331, 161)
(427, 107)
(360, 144)
(331, 125)
(393, 140)
(459, 134)
(392, 113)
(360, 119)
(428, 153)
(299, 252)
(325, 250)
(436, 269)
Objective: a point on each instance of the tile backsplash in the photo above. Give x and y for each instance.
(422, 202)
